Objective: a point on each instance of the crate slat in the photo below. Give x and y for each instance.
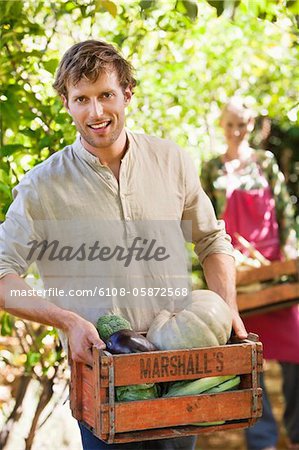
(273, 270)
(87, 398)
(182, 410)
(181, 364)
(76, 388)
(268, 296)
(87, 374)
(168, 433)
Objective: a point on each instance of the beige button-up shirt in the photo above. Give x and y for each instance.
(157, 182)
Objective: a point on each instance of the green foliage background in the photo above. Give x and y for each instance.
(190, 56)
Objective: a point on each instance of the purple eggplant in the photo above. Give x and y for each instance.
(128, 341)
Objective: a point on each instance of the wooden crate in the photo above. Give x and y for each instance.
(270, 297)
(92, 392)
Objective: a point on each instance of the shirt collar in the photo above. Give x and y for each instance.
(94, 160)
(83, 153)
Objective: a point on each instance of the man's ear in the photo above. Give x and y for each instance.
(128, 95)
(65, 102)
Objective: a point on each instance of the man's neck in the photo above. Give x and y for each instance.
(110, 156)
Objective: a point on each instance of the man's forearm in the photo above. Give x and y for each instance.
(220, 274)
(82, 335)
(33, 308)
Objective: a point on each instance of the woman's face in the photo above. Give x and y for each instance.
(236, 126)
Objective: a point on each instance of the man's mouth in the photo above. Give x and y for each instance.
(99, 125)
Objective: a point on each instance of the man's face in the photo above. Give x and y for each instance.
(236, 126)
(98, 111)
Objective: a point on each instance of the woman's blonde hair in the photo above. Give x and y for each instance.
(239, 106)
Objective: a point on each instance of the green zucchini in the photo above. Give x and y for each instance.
(197, 386)
(228, 385)
(208, 424)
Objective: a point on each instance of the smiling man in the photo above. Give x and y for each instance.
(96, 92)
(98, 111)
(108, 174)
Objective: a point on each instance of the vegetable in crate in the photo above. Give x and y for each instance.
(128, 341)
(136, 392)
(206, 322)
(119, 337)
(110, 323)
(229, 385)
(207, 385)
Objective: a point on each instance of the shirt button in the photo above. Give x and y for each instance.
(128, 218)
(108, 177)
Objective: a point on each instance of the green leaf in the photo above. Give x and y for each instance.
(9, 149)
(106, 5)
(293, 5)
(219, 5)
(146, 4)
(28, 132)
(119, 39)
(136, 392)
(191, 9)
(51, 65)
(6, 324)
(10, 114)
(46, 141)
(11, 9)
(33, 358)
(69, 6)
(5, 189)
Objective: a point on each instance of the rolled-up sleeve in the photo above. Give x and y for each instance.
(19, 229)
(208, 233)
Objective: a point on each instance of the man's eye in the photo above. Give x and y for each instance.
(80, 99)
(107, 95)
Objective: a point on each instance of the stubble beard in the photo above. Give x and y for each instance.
(100, 142)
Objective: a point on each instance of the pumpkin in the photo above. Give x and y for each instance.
(206, 322)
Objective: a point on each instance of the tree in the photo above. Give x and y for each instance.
(190, 56)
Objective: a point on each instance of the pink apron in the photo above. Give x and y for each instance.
(252, 215)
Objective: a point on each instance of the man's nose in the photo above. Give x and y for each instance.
(96, 108)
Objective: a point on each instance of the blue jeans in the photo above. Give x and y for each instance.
(90, 442)
(265, 432)
(290, 388)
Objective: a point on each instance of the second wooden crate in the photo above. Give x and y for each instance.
(273, 296)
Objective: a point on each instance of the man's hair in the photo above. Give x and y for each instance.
(88, 60)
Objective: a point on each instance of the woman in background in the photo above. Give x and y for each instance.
(248, 191)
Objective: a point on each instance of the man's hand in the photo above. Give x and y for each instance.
(220, 274)
(238, 325)
(82, 336)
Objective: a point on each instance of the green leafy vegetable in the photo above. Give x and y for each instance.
(136, 392)
(111, 323)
